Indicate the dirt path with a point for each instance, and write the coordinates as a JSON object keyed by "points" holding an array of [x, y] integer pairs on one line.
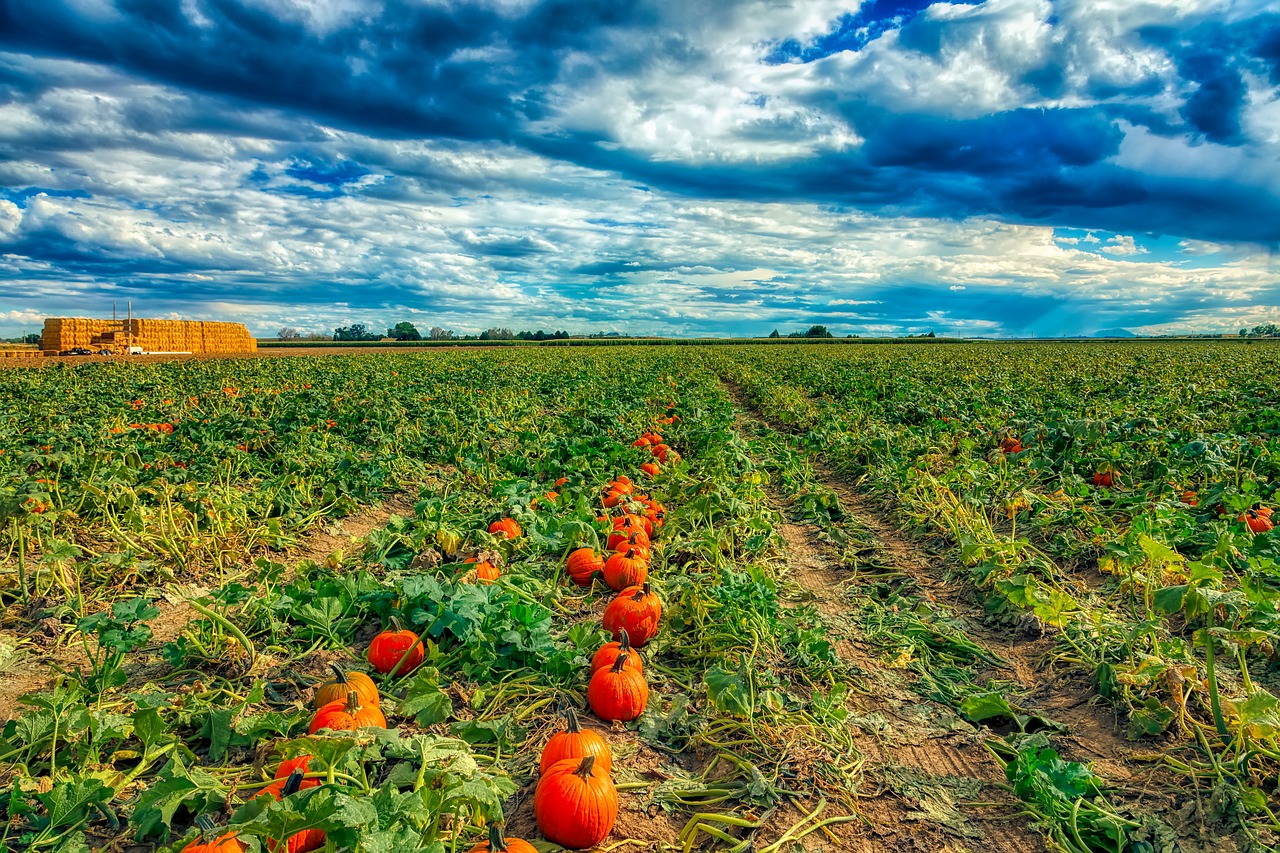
{"points": [[923, 763], [1094, 733]]}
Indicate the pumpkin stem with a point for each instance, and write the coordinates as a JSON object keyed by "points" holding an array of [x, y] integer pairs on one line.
{"points": [[353, 702], [292, 784], [645, 588], [624, 641], [619, 662], [339, 676], [497, 843], [571, 721], [584, 769], [206, 826]]}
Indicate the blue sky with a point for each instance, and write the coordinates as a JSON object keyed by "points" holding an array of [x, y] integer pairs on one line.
{"points": [[991, 167]]}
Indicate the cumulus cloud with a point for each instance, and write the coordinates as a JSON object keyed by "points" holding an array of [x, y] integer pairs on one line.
{"points": [[750, 164]]}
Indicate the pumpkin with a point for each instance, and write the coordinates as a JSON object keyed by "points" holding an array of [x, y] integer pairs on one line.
{"points": [[1104, 478], [285, 772], [396, 652], [560, 482], [583, 565], [641, 442], [226, 843], [612, 498], [618, 692], [1009, 444], [575, 803], [1189, 497], [653, 469], [347, 716], [1257, 521], [635, 611], [624, 570], [342, 684], [621, 485], [609, 652], [625, 539], [498, 844], [661, 452], [649, 599], [486, 571], [300, 842], [577, 743], [505, 528]]}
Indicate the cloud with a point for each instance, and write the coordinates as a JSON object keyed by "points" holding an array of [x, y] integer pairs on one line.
{"points": [[671, 167]]}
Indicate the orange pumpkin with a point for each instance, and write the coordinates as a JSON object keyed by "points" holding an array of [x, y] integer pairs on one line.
{"points": [[347, 716], [486, 571], [626, 538], [576, 743], [624, 570], [636, 610], [228, 842], [505, 528], [618, 692], [609, 652], [497, 843], [285, 772], [342, 684], [575, 803], [1104, 478], [583, 565], [1257, 520], [653, 469], [300, 842], [396, 652]]}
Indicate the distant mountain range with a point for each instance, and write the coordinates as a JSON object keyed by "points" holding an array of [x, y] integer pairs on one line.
{"points": [[1114, 333]]}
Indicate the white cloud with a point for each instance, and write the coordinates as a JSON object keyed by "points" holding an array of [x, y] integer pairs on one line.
{"points": [[1122, 244]]}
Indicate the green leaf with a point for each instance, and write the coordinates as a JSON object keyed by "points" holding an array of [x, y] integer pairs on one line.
{"points": [[730, 692], [176, 786], [1169, 599], [69, 802]]}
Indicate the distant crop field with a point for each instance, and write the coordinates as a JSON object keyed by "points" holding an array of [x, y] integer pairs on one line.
{"points": [[1021, 596]]}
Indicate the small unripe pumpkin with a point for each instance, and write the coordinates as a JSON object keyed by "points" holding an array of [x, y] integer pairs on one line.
{"points": [[576, 743], [342, 684], [618, 693], [575, 803]]}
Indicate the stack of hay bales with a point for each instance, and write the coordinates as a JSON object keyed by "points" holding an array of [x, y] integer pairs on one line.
{"points": [[191, 336]]}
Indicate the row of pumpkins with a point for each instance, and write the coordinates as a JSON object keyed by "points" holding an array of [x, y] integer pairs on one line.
{"points": [[575, 802]]}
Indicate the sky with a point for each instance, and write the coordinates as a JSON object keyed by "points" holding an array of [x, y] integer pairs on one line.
{"points": [[1003, 168]]}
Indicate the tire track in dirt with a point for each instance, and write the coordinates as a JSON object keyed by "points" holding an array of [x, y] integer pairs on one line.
{"points": [[917, 776], [1094, 733]]}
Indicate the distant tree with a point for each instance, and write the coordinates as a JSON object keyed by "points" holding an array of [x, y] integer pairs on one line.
{"points": [[288, 333], [404, 331], [774, 334], [317, 336], [354, 332], [440, 334], [818, 332], [1244, 333], [1265, 330], [32, 338], [497, 334], [930, 335]]}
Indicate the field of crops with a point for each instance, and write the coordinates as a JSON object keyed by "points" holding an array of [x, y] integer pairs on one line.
{"points": [[911, 597]]}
